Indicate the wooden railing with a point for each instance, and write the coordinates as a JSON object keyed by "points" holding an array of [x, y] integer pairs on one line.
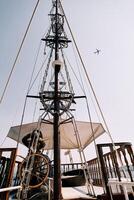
{"points": [[7, 163], [95, 172], [117, 164], [70, 167]]}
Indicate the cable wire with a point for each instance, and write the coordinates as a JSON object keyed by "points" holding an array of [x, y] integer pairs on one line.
{"points": [[91, 86], [17, 56], [87, 76]]}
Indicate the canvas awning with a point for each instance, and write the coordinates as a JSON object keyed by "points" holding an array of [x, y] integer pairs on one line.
{"points": [[67, 133]]}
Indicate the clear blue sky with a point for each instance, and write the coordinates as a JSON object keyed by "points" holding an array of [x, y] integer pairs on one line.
{"points": [[107, 25]]}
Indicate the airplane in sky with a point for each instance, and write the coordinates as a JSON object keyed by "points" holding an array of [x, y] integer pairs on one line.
{"points": [[97, 51]]}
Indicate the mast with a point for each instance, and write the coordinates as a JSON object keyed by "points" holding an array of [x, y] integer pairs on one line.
{"points": [[57, 100], [56, 133]]}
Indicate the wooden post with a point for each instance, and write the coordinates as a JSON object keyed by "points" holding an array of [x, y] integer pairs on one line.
{"points": [[103, 169]]}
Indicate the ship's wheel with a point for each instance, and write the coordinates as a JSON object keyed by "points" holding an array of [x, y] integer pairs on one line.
{"points": [[35, 169]]}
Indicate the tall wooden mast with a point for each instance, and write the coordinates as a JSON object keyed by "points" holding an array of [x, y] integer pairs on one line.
{"points": [[56, 135], [57, 100]]}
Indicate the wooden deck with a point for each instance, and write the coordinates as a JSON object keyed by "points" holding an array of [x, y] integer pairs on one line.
{"points": [[78, 193]]}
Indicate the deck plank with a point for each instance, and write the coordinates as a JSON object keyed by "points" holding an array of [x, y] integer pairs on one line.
{"points": [[75, 193]]}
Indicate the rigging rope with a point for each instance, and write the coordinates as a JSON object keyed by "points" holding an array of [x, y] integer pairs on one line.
{"points": [[89, 115], [17, 56], [29, 88], [74, 73], [38, 73], [83, 160], [46, 71], [91, 86], [67, 73], [82, 85], [87, 76], [36, 102]]}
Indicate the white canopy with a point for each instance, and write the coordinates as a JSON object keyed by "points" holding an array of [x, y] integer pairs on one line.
{"points": [[67, 133]]}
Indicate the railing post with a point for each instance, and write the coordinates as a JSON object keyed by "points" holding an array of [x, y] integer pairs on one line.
{"points": [[104, 173]]}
